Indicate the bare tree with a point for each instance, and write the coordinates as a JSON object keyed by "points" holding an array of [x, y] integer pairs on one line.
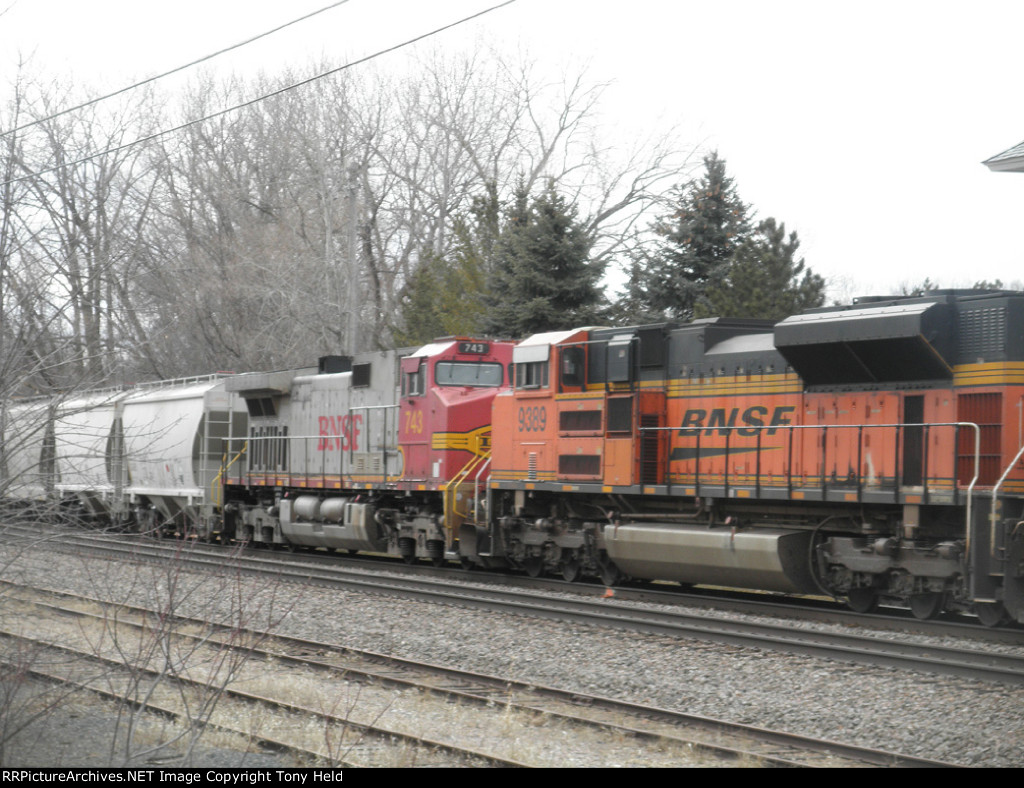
{"points": [[81, 204]]}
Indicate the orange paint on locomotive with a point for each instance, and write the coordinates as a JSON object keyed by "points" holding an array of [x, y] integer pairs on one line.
{"points": [[740, 439], [549, 426]]}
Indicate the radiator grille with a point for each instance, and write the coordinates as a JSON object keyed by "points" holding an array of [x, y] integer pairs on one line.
{"points": [[579, 465], [982, 333]]}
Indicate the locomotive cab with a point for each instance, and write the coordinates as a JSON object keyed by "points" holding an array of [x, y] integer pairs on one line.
{"points": [[447, 390]]}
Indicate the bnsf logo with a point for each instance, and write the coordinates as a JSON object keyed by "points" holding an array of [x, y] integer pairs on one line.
{"points": [[339, 432], [696, 419]]}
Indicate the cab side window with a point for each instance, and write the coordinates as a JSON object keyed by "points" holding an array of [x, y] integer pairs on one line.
{"points": [[414, 383], [532, 375], [572, 369]]}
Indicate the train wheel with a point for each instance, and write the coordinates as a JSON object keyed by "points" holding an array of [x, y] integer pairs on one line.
{"points": [[435, 550], [862, 600], [926, 606], [533, 566], [991, 614], [571, 571], [610, 574]]}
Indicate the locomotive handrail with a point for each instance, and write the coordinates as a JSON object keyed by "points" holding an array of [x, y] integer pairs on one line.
{"points": [[696, 431], [476, 490], [216, 486], [385, 447], [992, 516], [477, 462]]}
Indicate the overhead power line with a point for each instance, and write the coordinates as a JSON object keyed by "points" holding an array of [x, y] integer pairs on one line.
{"points": [[264, 97], [156, 77]]}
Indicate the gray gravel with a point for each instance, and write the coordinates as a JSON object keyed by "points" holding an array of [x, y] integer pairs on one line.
{"points": [[967, 722]]}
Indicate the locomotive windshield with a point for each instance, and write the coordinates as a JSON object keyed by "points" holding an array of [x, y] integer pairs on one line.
{"points": [[468, 373]]}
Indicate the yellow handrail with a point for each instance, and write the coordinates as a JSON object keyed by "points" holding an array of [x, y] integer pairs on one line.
{"points": [[215, 485], [451, 513]]}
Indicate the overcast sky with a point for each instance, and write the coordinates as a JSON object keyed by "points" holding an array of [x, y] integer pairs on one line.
{"points": [[862, 126]]}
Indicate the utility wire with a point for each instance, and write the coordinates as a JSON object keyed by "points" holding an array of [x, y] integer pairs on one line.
{"points": [[258, 99], [172, 71]]}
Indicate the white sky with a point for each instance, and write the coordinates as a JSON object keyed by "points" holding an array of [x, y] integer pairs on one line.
{"points": [[862, 126]]}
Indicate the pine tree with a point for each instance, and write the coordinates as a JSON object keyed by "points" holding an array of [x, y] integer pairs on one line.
{"points": [[541, 275], [696, 243], [764, 279], [709, 260]]}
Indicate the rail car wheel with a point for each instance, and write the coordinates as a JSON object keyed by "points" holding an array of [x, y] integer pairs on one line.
{"points": [[407, 549], [533, 566], [926, 606], [862, 600], [571, 571], [991, 614], [610, 574], [435, 550]]}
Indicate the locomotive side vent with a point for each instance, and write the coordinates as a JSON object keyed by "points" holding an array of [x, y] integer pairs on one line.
{"points": [[579, 421], [361, 376], [579, 464], [982, 333], [620, 414], [649, 465], [985, 410]]}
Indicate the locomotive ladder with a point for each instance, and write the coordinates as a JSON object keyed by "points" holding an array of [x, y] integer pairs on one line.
{"points": [[454, 514]]}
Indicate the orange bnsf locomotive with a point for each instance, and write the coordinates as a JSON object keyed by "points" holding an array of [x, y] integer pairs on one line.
{"points": [[871, 452]]}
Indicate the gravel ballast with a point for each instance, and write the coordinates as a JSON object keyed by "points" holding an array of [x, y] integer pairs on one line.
{"points": [[956, 720]]}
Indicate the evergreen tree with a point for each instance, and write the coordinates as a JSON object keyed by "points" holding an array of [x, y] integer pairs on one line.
{"points": [[696, 243], [764, 279], [541, 277], [710, 261]]}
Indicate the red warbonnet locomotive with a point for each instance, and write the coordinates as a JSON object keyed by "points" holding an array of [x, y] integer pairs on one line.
{"points": [[871, 452]]}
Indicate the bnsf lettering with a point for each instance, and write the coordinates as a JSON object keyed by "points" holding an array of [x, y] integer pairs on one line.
{"points": [[339, 432], [725, 421]]}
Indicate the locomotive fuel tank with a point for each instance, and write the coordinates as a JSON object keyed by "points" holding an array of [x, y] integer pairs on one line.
{"points": [[336, 523], [766, 559]]}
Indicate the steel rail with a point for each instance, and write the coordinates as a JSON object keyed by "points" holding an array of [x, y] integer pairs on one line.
{"points": [[784, 749]]}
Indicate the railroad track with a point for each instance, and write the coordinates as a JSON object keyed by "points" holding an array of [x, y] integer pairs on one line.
{"points": [[960, 661], [804, 609], [666, 738], [346, 734]]}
